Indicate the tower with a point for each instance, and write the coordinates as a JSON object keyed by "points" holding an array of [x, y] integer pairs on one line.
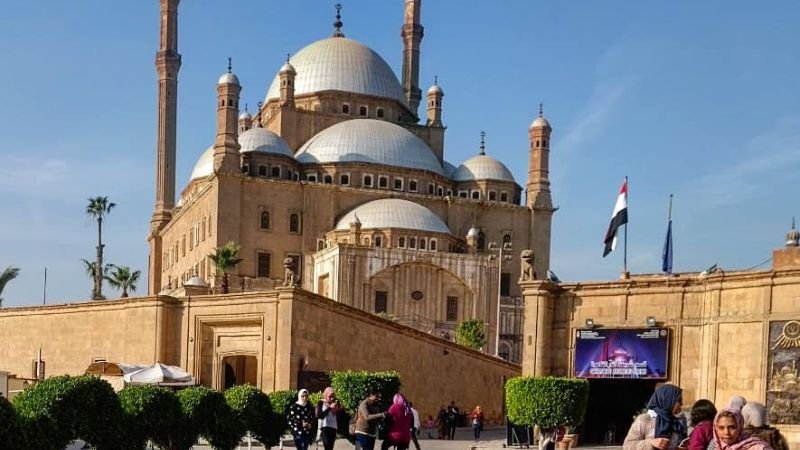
{"points": [[538, 189], [168, 62], [411, 33], [435, 94], [287, 74], [245, 121], [226, 146]]}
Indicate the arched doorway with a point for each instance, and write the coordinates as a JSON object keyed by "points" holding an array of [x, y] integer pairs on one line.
{"points": [[239, 369]]}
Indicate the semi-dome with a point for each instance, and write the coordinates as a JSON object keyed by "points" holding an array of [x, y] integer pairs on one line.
{"points": [[369, 141], [394, 213], [340, 64], [482, 167], [204, 165], [264, 141]]}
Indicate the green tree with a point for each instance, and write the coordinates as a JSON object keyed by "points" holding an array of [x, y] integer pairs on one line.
{"points": [[470, 333], [97, 209], [351, 387], [253, 408], [9, 274], [122, 277], [225, 258]]}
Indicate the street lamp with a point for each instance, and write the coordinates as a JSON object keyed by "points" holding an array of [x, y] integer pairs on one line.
{"points": [[504, 254]]}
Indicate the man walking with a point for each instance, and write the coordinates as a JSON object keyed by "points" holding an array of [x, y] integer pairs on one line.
{"points": [[452, 420], [416, 425]]}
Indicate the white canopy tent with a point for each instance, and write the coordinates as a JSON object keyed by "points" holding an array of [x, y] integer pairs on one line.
{"points": [[161, 375]]}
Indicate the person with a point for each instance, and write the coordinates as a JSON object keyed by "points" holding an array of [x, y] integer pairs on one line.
{"points": [[299, 418], [660, 427], [429, 424], [328, 411], [415, 427], [729, 432], [702, 416], [399, 433], [441, 421], [477, 422], [755, 424], [737, 402], [452, 420], [367, 417]]}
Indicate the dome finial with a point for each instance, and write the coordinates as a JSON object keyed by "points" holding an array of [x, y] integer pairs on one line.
{"points": [[337, 25], [541, 108], [436, 80], [245, 108], [793, 236], [230, 64], [483, 142], [288, 56]]}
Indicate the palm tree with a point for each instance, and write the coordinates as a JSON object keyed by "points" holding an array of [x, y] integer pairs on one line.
{"points": [[122, 277], [224, 259], [9, 274], [97, 209], [90, 271]]}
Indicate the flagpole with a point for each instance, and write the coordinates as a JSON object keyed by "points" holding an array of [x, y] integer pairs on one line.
{"points": [[669, 221], [625, 250]]}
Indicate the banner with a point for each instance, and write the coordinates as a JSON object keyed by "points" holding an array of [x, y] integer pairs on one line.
{"points": [[622, 353]]}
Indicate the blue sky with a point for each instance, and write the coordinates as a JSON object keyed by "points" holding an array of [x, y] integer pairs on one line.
{"points": [[699, 99]]}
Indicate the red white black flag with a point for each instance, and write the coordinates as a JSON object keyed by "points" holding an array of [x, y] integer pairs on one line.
{"points": [[618, 219]]}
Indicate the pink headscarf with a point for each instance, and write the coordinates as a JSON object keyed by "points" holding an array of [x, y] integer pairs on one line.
{"points": [[326, 397], [398, 399], [744, 440]]}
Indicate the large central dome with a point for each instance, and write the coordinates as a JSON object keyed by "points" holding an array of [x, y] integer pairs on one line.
{"points": [[340, 64], [369, 141]]}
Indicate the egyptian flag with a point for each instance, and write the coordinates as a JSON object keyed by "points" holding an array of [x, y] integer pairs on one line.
{"points": [[618, 219]]}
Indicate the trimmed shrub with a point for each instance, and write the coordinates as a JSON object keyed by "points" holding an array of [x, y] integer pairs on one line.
{"points": [[209, 416], [351, 387], [61, 409], [10, 432], [254, 410], [470, 333], [548, 402], [281, 400], [153, 413]]}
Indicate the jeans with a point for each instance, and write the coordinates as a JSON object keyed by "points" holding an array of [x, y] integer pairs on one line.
{"points": [[476, 429], [328, 437], [365, 441], [301, 442]]}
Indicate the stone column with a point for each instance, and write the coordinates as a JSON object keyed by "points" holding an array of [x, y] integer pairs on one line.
{"points": [[539, 299]]}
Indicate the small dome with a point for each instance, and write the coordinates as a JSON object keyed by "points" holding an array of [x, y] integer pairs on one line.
{"points": [[473, 232], [264, 141], [483, 167], [540, 122], [449, 169], [435, 89], [204, 165], [341, 64], [369, 141], [195, 282], [245, 116], [394, 213], [287, 68], [793, 237], [228, 78]]}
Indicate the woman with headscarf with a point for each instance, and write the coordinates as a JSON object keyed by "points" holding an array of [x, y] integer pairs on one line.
{"points": [[703, 413], [737, 402], [755, 424], [399, 434], [327, 412], [299, 418], [660, 427], [729, 433]]}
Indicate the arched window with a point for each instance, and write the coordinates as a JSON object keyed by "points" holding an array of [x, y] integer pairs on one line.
{"points": [[294, 223], [362, 111], [380, 113], [433, 245], [492, 196], [345, 109], [262, 171], [264, 221], [327, 179], [367, 181], [504, 196], [401, 242], [506, 238], [476, 195], [481, 243]]}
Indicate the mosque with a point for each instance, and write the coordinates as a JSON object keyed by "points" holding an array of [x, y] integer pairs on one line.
{"points": [[338, 181]]}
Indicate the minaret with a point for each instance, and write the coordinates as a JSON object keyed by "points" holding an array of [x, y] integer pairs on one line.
{"points": [[226, 146], [287, 74], [435, 94], [411, 33], [168, 62], [538, 192], [245, 120]]}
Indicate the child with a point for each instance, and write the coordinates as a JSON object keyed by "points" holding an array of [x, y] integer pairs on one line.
{"points": [[429, 427]]}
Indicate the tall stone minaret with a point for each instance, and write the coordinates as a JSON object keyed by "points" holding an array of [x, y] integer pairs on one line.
{"points": [[412, 36], [168, 62], [538, 192], [226, 146]]}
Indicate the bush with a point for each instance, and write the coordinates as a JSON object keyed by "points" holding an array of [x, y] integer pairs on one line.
{"points": [[254, 410], [153, 413], [470, 333], [209, 416], [60, 409], [10, 432], [281, 401], [548, 402], [351, 387]]}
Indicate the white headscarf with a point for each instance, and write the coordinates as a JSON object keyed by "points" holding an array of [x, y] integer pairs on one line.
{"points": [[300, 400]]}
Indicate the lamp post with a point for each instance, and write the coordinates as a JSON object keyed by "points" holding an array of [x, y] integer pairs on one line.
{"points": [[504, 253]]}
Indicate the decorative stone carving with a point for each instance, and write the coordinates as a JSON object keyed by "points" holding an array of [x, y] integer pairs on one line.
{"points": [[289, 274], [526, 261]]}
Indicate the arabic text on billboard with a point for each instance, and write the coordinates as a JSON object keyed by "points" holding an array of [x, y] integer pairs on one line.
{"points": [[622, 353]]}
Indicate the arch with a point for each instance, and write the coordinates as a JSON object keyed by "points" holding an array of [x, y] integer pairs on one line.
{"points": [[264, 220]]}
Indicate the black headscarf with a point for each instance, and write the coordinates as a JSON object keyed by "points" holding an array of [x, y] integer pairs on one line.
{"points": [[661, 403]]}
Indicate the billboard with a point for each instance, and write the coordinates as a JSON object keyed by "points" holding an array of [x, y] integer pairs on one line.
{"points": [[622, 353]]}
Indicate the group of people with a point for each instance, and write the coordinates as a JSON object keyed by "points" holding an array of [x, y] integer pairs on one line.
{"points": [[741, 425]]}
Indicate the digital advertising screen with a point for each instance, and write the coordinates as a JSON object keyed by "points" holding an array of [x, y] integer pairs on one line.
{"points": [[622, 353]]}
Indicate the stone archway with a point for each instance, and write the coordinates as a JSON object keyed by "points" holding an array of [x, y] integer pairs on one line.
{"points": [[239, 370]]}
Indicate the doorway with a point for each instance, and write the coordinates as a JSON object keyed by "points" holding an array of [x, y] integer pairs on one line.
{"points": [[613, 404], [239, 369]]}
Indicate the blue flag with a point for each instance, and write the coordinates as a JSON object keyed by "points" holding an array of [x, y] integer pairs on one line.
{"points": [[666, 254]]}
